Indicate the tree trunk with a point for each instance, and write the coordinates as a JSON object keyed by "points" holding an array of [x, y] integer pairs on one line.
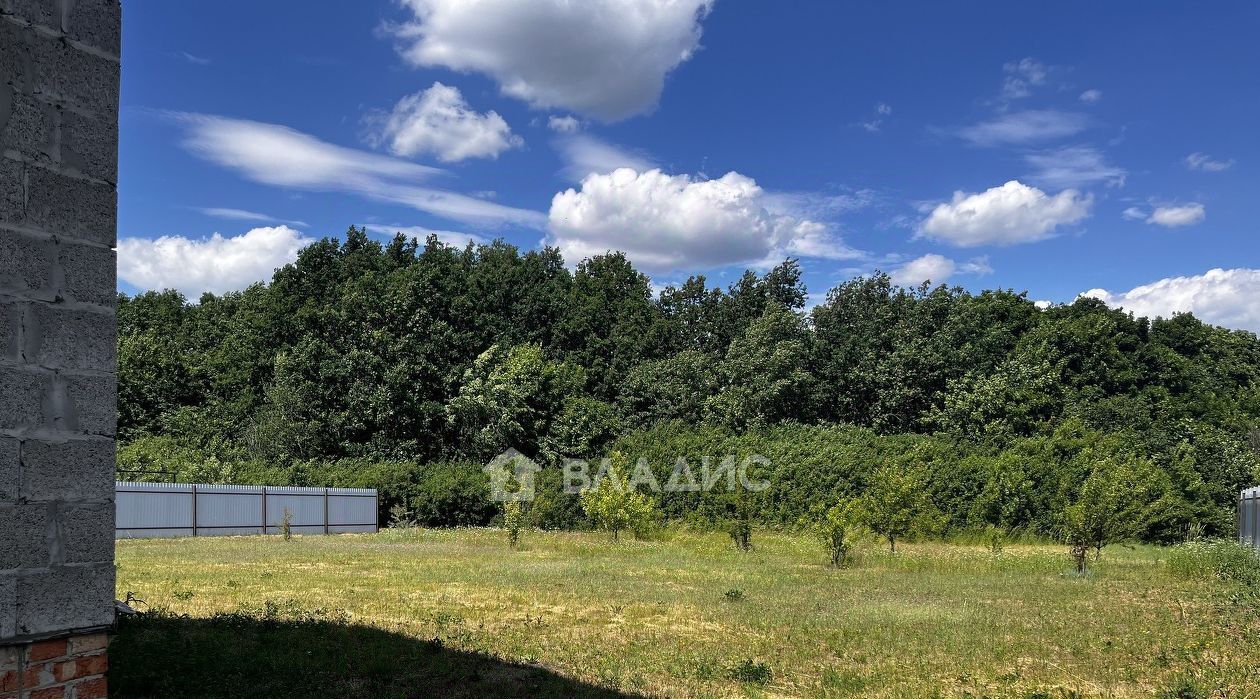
{"points": [[892, 545]]}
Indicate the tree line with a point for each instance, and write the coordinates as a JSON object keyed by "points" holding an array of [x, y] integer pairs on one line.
{"points": [[406, 365]]}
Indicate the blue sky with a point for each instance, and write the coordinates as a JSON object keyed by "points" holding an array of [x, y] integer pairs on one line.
{"points": [[1093, 147]]}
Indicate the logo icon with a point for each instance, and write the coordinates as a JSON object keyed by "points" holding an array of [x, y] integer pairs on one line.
{"points": [[511, 477]]}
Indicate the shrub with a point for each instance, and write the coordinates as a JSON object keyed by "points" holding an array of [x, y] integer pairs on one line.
{"points": [[840, 530], [513, 522], [286, 524], [897, 504], [452, 495], [615, 506], [1216, 558]]}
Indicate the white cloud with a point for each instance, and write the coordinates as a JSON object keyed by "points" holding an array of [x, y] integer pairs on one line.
{"points": [[280, 156], [937, 269], [1073, 166], [1204, 162], [1022, 76], [1006, 215], [1134, 213], [1091, 96], [243, 215], [214, 264], [1030, 126], [1176, 216], [440, 122], [603, 58], [1220, 296], [882, 110], [564, 124], [586, 155], [195, 60], [670, 223], [421, 233]]}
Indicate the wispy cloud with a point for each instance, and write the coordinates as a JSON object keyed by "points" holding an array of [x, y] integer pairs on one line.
{"points": [[1177, 216], [281, 156], [1091, 96], [243, 215], [421, 233], [1205, 163], [1026, 127], [196, 60], [1073, 166], [586, 155]]}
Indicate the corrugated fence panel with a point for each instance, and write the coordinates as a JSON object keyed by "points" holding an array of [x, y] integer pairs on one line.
{"points": [[349, 510], [153, 509], [178, 509], [1249, 517]]}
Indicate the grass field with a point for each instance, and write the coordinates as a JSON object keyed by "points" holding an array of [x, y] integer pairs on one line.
{"points": [[455, 613]]}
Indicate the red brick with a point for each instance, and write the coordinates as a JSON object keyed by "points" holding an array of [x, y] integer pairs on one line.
{"points": [[90, 665], [89, 643], [94, 688], [38, 675], [58, 692], [46, 650], [8, 680]]}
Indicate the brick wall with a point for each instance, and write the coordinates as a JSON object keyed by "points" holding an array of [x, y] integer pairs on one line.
{"points": [[59, 67], [59, 668]]}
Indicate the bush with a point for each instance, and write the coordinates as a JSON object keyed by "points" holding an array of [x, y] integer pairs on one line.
{"points": [[615, 506], [1216, 558], [513, 522], [840, 530]]}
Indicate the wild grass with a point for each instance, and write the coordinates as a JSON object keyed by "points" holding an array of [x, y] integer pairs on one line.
{"points": [[659, 617]]}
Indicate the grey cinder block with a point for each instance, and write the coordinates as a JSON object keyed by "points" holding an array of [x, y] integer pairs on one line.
{"points": [[94, 398], [12, 193], [11, 319], [90, 145], [89, 273], [8, 607], [23, 392], [27, 126], [70, 206], [74, 469], [25, 544], [10, 451], [74, 338], [97, 23], [25, 262], [65, 597], [86, 532]]}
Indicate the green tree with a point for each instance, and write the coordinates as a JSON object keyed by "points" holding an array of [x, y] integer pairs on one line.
{"points": [[1113, 505], [897, 503], [765, 376], [509, 398], [614, 505], [840, 530]]}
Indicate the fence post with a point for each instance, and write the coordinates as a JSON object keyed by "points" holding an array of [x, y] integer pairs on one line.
{"points": [[264, 510], [194, 509], [325, 510]]}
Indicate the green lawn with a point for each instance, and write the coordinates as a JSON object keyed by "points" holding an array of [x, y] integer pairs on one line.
{"points": [[455, 613]]}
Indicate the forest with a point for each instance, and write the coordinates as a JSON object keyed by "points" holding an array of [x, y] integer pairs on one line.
{"points": [[405, 366]]}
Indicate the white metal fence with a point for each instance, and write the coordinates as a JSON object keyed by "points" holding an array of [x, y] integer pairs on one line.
{"points": [[1249, 517], [183, 509]]}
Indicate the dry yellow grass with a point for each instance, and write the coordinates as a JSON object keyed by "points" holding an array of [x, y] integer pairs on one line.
{"points": [[654, 617]]}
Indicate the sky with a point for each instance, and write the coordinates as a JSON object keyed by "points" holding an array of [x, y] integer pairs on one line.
{"points": [[1106, 149]]}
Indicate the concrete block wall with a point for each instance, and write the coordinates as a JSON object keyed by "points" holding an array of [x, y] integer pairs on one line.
{"points": [[59, 79]]}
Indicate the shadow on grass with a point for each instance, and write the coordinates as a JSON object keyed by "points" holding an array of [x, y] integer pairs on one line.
{"points": [[261, 655]]}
